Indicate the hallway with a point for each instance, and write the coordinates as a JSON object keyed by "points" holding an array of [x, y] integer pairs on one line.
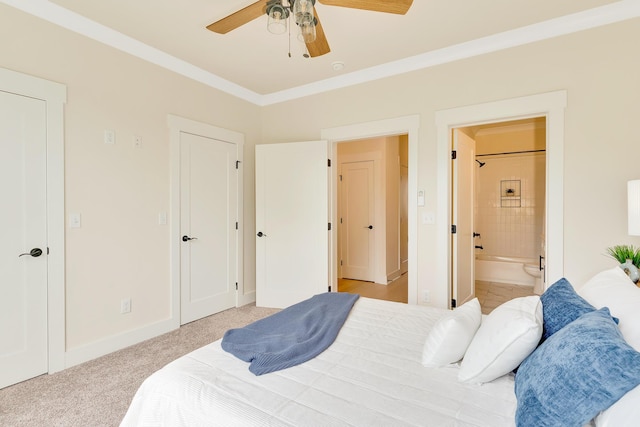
{"points": [[394, 291]]}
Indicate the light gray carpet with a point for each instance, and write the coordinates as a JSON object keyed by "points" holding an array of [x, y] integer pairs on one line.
{"points": [[98, 393]]}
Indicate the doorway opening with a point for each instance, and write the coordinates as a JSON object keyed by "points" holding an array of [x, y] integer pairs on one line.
{"points": [[372, 223], [549, 105], [507, 178], [406, 125]]}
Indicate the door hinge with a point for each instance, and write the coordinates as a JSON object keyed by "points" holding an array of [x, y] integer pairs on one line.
{"points": [[329, 226], [340, 220], [340, 178], [238, 163], [48, 254], [454, 229], [454, 154], [329, 288], [236, 225], [341, 263], [236, 286], [453, 303], [328, 162]]}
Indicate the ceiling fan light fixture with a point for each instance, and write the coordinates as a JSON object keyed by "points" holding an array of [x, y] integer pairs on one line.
{"points": [[301, 9], [277, 21], [307, 29]]}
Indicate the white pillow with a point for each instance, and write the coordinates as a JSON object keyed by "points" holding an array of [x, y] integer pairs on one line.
{"points": [[612, 288], [506, 337], [625, 412], [451, 335]]}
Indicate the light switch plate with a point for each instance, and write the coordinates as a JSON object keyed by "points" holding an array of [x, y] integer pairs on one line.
{"points": [[75, 220], [428, 218], [109, 136], [162, 218]]}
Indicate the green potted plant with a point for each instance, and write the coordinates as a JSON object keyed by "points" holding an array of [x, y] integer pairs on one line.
{"points": [[629, 258]]}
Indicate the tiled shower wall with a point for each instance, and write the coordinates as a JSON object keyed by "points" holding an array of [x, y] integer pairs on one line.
{"points": [[511, 225]]}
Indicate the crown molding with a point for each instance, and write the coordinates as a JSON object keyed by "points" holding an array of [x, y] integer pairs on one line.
{"points": [[615, 12], [79, 24]]}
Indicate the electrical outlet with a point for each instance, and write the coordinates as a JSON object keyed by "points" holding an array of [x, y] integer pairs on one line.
{"points": [[426, 296], [137, 141], [125, 306]]}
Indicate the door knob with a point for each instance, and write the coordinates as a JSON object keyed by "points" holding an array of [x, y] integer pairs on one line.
{"points": [[260, 234], [35, 252], [370, 227], [186, 238]]}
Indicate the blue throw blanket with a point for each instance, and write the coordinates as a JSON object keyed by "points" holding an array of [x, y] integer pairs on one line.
{"points": [[291, 336]]}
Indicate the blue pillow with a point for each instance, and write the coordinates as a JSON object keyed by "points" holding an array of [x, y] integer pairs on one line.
{"points": [[561, 305], [581, 370]]}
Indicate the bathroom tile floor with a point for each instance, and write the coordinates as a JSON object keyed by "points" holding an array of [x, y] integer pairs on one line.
{"points": [[491, 294]]}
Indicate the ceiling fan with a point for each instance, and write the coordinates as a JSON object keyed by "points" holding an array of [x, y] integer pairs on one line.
{"points": [[316, 43]]}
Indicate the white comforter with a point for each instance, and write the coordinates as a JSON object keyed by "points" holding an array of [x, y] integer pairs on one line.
{"points": [[370, 376]]}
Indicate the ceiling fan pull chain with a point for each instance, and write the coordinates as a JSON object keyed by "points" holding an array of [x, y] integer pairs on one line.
{"points": [[289, 28]]}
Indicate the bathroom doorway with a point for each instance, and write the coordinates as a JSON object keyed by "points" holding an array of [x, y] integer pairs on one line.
{"points": [[507, 210]]}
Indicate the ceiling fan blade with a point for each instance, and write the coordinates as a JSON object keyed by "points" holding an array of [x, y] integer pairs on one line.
{"points": [[239, 18], [319, 46], [388, 6]]}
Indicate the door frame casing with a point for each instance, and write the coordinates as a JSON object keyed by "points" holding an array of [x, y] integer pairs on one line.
{"points": [[55, 96], [178, 125], [386, 127], [550, 105]]}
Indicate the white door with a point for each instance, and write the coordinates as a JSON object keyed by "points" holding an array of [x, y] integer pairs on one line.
{"points": [[292, 211], [463, 259], [23, 279], [357, 228], [208, 215]]}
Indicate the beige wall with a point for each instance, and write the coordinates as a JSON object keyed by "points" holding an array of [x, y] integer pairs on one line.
{"points": [[122, 251], [510, 139], [599, 72]]}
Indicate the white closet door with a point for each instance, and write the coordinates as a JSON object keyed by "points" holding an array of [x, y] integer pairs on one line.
{"points": [[23, 227], [208, 194]]}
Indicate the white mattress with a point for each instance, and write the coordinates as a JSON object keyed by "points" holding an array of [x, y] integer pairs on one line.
{"points": [[370, 376]]}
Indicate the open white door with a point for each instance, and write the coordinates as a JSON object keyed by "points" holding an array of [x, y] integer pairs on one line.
{"points": [[292, 211], [463, 252]]}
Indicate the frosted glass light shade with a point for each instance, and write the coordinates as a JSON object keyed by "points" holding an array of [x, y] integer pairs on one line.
{"points": [[307, 29], [277, 21], [302, 8], [633, 204]]}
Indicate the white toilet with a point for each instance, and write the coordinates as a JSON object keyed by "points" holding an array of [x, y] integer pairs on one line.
{"points": [[534, 271]]}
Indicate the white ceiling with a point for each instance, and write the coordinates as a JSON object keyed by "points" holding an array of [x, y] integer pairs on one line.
{"points": [[253, 64]]}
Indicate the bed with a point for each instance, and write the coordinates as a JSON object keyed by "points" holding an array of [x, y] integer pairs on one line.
{"points": [[373, 374]]}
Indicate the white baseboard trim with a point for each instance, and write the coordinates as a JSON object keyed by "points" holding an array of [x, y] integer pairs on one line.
{"points": [[404, 267], [393, 276], [248, 298], [108, 345]]}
